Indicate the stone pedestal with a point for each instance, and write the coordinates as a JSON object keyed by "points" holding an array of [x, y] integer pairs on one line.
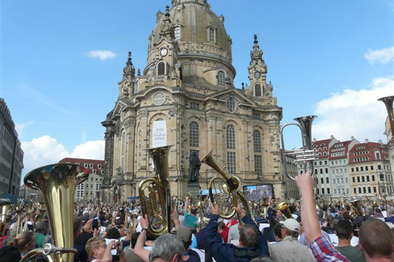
{"points": [[193, 188]]}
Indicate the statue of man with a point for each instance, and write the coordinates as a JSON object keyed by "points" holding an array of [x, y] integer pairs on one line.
{"points": [[194, 167]]}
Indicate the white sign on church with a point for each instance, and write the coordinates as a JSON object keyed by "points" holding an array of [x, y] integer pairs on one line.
{"points": [[159, 133]]}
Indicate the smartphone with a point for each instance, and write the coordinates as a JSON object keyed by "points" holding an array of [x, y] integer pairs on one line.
{"points": [[95, 224]]}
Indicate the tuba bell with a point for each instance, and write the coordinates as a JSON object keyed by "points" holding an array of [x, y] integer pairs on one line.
{"points": [[388, 102], [284, 208], [224, 189], [57, 183], [306, 155], [155, 194]]}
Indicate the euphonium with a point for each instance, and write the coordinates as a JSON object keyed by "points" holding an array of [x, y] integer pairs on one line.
{"points": [[224, 189], [57, 183], [155, 195], [284, 208], [305, 155]]}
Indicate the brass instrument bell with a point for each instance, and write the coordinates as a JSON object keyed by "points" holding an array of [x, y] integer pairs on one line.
{"points": [[57, 183], [284, 208], [304, 156]]}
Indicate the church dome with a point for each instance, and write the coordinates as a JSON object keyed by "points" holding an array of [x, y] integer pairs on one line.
{"points": [[198, 31]]}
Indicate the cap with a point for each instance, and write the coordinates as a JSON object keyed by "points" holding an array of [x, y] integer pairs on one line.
{"points": [[184, 234], [291, 224]]}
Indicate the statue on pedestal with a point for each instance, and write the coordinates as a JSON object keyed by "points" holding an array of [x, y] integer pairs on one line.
{"points": [[194, 167]]}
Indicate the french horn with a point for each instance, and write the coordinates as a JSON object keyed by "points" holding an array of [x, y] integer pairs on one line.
{"points": [[224, 189], [57, 183], [155, 194]]}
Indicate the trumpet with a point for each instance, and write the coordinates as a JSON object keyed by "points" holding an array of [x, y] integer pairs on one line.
{"points": [[57, 183], [155, 194], [224, 189], [306, 155]]}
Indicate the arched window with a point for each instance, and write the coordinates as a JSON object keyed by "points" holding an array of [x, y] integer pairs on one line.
{"points": [[230, 135], [161, 68], [194, 134], [258, 157], [177, 32], [257, 90], [257, 141], [231, 153], [220, 77], [123, 156]]}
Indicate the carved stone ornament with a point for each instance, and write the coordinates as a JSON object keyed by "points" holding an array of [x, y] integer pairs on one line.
{"points": [[159, 98]]}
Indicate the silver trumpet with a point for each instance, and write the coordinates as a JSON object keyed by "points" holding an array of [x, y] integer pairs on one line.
{"points": [[306, 155]]}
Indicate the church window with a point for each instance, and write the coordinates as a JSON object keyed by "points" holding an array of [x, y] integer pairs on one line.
{"points": [[220, 78], [194, 105], [231, 160], [231, 105], [123, 156], [177, 33], [230, 135], [257, 90], [258, 164], [257, 141], [194, 134], [256, 116], [161, 68], [212, 34]]}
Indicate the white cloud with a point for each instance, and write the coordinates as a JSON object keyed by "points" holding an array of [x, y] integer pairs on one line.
{"points": [[382, 56], [354, 113], [101, 54], [46, 150]]}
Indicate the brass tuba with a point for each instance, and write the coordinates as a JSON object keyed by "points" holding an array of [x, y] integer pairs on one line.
{"points": [[224, 189], [284, 208], [388, 102], [57, 183], [155, 194], [306, 155]]}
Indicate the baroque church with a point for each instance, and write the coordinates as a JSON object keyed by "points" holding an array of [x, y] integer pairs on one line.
{"points": [[185, 97]]}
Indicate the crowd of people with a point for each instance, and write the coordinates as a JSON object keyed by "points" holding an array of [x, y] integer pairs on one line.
{"points": [[336, 232]]}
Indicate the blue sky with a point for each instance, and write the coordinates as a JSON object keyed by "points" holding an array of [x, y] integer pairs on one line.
{"points": [[331, 58]]}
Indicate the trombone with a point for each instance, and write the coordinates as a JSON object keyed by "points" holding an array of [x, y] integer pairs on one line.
{"points": [[306, 155]]}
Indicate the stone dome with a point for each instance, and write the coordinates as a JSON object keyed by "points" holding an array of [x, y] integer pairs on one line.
{"points": [[199, 32]]}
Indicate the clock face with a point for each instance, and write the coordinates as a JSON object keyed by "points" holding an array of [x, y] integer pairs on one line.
{"points": [[257, 75], [164, 51]]}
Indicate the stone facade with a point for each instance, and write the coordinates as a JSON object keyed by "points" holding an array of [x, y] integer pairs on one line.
{"points": [[11, 157], [188, 85]]}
